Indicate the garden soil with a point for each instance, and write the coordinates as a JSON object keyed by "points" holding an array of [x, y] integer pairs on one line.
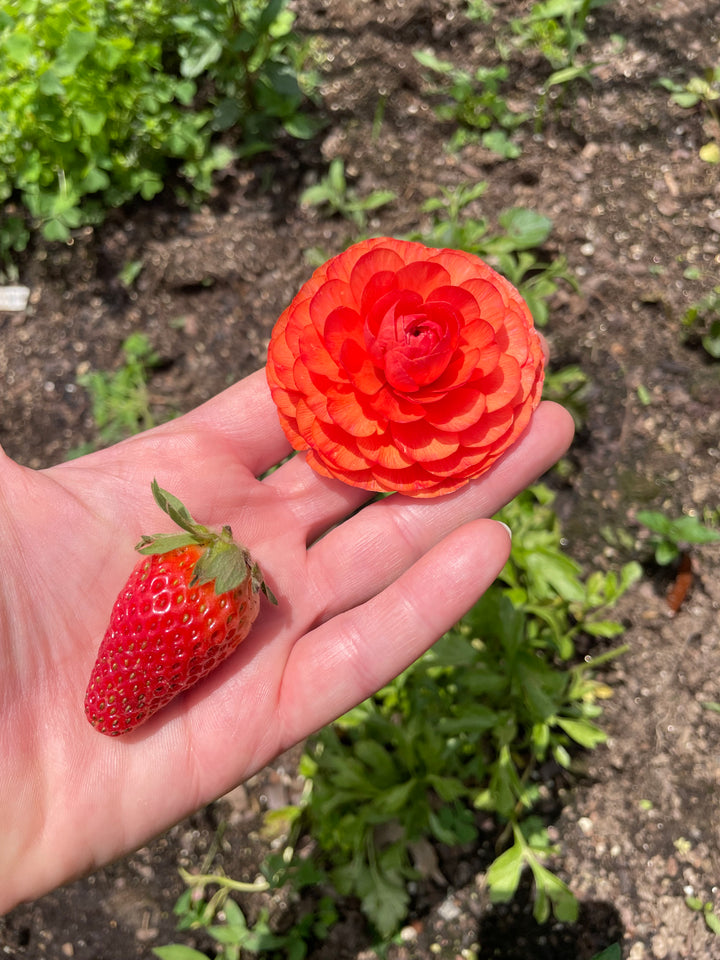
{"points": [[615, 164]]}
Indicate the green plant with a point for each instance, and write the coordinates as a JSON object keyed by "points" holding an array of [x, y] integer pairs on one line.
{"points": [[557, 29], [669, 538], [609, 953], [256, 65], [385, 783], [206, 905], [473, 104], [702, 321], [568, 386], [121, 403], [702, 90], [479, 10], [706, 908], [511, 250], [103, 102], [334, 194]]}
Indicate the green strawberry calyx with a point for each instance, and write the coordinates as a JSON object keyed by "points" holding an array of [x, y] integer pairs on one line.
{"points": [[222, 561]]}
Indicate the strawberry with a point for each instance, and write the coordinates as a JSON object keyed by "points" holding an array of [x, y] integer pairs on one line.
{"points": [[186, 606]]}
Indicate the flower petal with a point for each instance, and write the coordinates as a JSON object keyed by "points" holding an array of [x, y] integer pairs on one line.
{"points": [[423, 442], [376, 261], [384, 451], [347, 411], [501, 386], [457, 410], [422, 277]]}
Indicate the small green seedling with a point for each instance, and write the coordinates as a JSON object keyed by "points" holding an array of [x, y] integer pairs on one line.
{"points": [[569, 386], [712, 920], [334, 194], [121, 402], [473, 104], [557, 29], [207, 905], [669, 538], [704, 91], [702, 320]]}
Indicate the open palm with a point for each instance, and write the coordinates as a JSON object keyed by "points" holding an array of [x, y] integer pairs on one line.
{"points": [[362, 593]]}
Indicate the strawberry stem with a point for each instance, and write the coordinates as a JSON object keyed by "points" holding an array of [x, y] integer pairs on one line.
{"points": [[222, 561]]}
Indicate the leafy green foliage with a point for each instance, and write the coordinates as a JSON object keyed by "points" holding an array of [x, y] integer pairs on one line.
{"points": [[102, 102], [473, 104], [121, 403], [479, 10], [383, 784], [568, 386], [207, 905], [702, 322], [557, 29], [700, 90], [706, 908], [512, 249], [669, 538], [386, 783], [334, 194]]}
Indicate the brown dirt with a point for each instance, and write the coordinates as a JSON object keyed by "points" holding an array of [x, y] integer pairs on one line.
{"points": [[616, 167]]}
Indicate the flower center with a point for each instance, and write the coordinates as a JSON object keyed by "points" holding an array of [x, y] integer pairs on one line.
{"points": [[411, 341]]}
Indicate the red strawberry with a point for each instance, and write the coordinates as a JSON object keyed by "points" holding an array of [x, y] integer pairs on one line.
{"points": [[185, 608]]}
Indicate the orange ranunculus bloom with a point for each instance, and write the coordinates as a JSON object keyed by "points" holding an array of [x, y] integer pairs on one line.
{"points": [[404, 368]]}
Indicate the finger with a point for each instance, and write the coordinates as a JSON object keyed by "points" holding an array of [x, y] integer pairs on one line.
{"points": [[344, 661], [376, 545]]}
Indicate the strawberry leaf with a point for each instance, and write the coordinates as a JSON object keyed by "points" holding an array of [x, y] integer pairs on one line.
{"points": [[223, 563], [178, 512], [164, 543]]}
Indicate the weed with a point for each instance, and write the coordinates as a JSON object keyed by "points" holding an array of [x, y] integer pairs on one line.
{"points": [[702, 322], [568, 386], [557, 29], [334, 194], [121, 403], [704, 91], [473, 103], [222, 919], [479, 10], [130, 272], [706, 908], [383, 784], [669, 538]]}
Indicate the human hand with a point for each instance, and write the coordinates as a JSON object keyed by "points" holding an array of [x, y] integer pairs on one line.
{"points": [[362, 595]]}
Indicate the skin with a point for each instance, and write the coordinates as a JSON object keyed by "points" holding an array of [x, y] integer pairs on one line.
{"points": [[356, 607]]}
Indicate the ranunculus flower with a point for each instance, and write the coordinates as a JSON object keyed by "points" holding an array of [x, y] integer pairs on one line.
{"points": [[404, 368]]}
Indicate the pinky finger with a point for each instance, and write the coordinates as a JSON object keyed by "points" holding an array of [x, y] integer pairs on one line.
{"points": [[350, 657]]}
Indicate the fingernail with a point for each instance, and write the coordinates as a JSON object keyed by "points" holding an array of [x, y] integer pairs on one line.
{"points": [[506, 527]]}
